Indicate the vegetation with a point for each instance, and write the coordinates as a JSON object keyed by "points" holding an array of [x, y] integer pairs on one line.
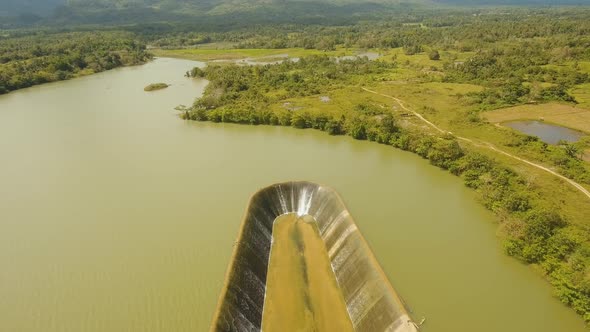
{"points": [[155, 86], [570, 116], [224, 13], [534, 226], [262, 54], [41, 57]]}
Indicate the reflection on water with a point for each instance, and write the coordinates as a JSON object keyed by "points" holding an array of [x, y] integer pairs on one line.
{"points": [[548, 133]]}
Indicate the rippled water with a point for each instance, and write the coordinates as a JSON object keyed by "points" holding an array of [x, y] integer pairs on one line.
{"points": [[115, 215]]}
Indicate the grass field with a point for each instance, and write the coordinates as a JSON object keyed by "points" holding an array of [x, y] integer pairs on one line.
{"points": [[562, 114], [582, 94], [212, 54], [442, 103], [582, 66]]}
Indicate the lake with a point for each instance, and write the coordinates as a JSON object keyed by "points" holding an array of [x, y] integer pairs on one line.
{"points": [[548, 133], [115, 215]]}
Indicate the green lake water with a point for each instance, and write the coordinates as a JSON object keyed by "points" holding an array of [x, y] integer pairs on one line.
{"points": [[115, 215]]}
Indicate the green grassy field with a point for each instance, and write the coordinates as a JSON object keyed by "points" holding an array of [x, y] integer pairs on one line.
{"points": [[212, 54], [582, 94]]}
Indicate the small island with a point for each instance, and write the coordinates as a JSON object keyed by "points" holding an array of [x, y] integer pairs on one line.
{"points": [[156, 86]]}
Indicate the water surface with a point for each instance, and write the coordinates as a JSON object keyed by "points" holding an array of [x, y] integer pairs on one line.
{"points": [[115, 215], [548, 133]]}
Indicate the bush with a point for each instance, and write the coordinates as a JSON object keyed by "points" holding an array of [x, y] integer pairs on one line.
{"points": [[334, 127], [434, 55], [444, 153]]}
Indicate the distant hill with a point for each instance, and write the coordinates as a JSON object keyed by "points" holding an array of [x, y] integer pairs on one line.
{"points": [[208, 5], [512, 2], [254, 11], [226, 12], [48, 7], [29, 7], [111, 9]]}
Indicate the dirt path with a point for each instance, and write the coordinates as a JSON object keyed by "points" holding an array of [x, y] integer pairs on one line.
{"points": [[486, 145]]}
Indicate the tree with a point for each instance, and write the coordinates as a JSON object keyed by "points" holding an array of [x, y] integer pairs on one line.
{"points": [[412, 49], [195, 72], [434, 55], [444, 152], [571, 150]]}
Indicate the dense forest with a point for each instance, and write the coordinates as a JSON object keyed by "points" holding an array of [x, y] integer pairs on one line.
{"points": [[460, 30], [40, 58]]}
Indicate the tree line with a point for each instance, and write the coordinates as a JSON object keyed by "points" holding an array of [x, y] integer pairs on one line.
{"points": [[47, 57]]}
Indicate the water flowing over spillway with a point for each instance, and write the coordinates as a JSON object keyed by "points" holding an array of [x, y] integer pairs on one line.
{"points": [[371, 303]]}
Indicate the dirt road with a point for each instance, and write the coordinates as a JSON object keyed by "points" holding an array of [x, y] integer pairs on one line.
{"points": [[484, 144]]}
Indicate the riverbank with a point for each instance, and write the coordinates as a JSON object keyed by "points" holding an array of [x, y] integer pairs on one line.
{"points": [[537, 227], [50, 57]]}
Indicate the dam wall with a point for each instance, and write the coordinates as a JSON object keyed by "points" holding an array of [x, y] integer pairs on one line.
{"points": [[371, 301]]}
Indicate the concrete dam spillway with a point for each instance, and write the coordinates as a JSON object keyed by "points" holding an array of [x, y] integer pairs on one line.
{"points": [[300, 263]]}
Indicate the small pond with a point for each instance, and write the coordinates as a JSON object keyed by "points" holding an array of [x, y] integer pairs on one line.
{"points": [[548, 133]]}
